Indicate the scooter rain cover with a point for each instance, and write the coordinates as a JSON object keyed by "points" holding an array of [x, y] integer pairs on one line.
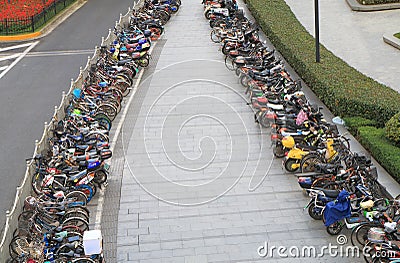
{"points": [[338, 209]]}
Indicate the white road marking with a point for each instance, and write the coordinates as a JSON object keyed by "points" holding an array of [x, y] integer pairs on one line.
{"points": [[21, 56], [10, 57], [16, 47], [99, 211], [60, 53], [3, 68]]}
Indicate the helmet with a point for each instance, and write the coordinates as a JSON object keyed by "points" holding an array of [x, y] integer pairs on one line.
{"points": [[77, 112], [77, 93], [147, 33], [112, 50], [288, 142], [103, 84]]}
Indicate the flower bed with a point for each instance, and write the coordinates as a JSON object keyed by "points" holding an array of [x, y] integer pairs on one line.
{"points": [[18, 9]]}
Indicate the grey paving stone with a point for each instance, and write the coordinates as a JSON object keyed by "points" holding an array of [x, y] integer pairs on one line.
{"points": [[128, 241], [183, 252]]}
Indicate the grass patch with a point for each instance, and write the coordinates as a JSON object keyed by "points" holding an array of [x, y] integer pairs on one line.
{"points": [[397, 35]]}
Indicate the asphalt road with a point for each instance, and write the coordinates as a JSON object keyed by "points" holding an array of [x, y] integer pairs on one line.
{"points": [[33, 86]]}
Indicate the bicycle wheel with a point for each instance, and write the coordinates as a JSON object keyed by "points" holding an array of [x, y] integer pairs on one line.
{"points": [[75, 213], [98, 136], [37, 183], [109, 110], [100, 177], [76, 198], [81, 223], [290, 165], [214, 35], [18, 246], [87, 190], [103, 121], [123, 86], [229, 64], [244, 80], [72, 228], [278, 150], [308, 163], [83, 260], [70, 250], [24, 217]]}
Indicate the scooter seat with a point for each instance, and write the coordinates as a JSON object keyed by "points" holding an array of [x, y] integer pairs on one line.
{"points": [[82, 147], [123, 62], [327, 168], [329, 193], [77, 176]]}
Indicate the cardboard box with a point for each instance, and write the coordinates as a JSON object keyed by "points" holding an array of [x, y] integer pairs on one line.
{"points": [[92, 242]]}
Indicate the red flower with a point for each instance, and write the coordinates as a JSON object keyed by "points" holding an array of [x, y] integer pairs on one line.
{"points": [[19, 9]]}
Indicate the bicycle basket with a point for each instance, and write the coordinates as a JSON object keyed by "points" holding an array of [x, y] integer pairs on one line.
{"points": [[376, 234]]}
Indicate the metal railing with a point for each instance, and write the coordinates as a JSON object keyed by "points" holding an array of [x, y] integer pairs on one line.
{"points": [[25, 189]]}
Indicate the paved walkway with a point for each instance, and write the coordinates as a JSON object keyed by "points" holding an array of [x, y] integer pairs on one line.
{"points": [[356, 37], [193, 184]]}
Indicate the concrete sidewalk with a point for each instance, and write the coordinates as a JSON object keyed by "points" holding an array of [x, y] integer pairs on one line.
{"points": [[356, 37]]}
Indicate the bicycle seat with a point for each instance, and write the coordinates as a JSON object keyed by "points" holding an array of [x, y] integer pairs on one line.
{"points": [[80, 158], [82, 147]]}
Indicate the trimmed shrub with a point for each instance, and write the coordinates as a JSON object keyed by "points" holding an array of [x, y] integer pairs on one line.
{"points": [[342, 88], [353, 123], [392, 129], [382, 149]]}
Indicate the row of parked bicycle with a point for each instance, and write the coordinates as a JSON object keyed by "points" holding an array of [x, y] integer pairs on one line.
{"points": [[342, 184], [55, 218]]}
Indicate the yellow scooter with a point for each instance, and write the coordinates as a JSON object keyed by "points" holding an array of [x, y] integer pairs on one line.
{"points": [[291, 162]]}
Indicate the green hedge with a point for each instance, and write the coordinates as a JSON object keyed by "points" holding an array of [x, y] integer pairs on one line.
{"points": [[386, 153], [342, 88], [352, 123], [392, 129], [377, 2]]}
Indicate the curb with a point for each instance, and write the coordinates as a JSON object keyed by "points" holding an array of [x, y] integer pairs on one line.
{"points": [[47, 29], [355, 6], [391, 40]]}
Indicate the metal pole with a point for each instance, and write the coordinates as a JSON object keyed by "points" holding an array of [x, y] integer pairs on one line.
{"points": [[316, 9]]}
